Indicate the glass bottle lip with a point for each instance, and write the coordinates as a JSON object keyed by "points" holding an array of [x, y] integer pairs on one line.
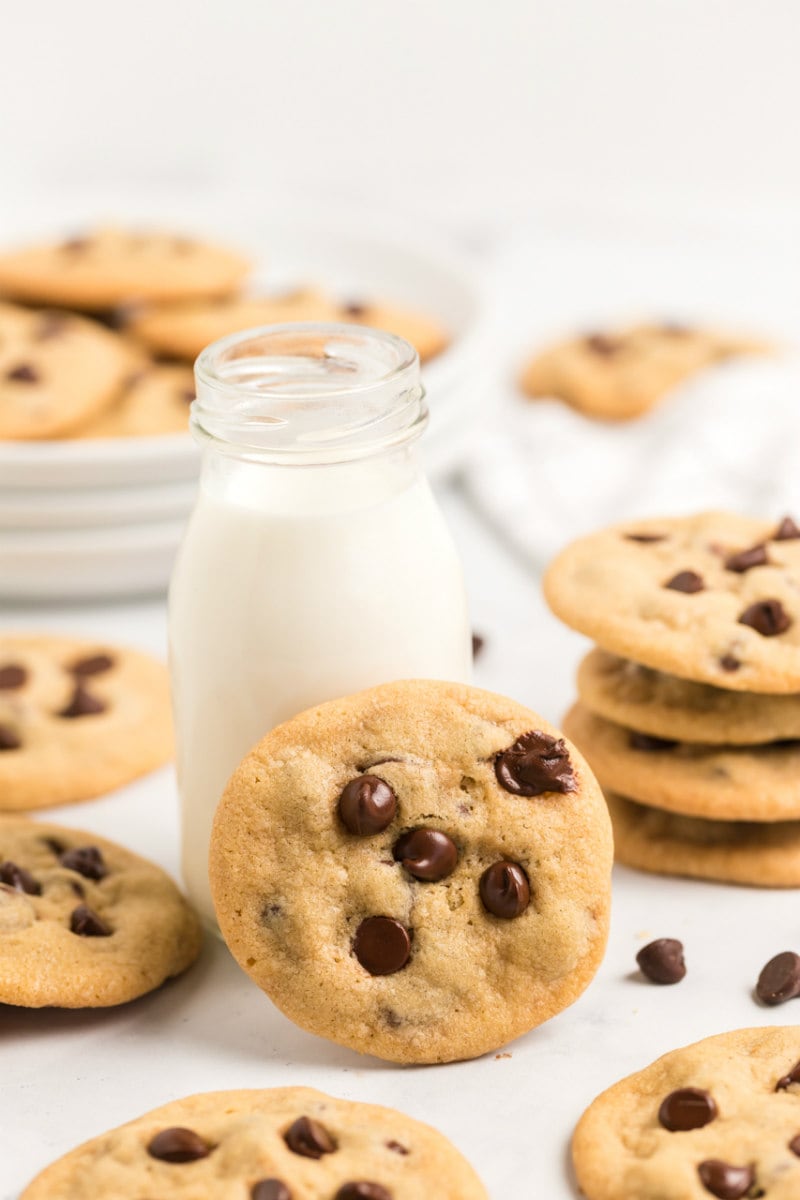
{"points": [[308, 392]]}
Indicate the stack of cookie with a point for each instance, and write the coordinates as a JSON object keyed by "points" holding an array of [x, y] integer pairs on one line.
{"points": [[689, 708]]}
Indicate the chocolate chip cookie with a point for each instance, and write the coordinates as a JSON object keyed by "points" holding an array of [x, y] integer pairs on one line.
{"points": [[427, 335], [85, 923], [720, 1118], [714, 597], [276, 1144], [153, 401], [77, 719], [420, 871]]}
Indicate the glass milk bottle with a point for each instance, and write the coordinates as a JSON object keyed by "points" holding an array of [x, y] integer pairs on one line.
{"points": [[316, 561]]}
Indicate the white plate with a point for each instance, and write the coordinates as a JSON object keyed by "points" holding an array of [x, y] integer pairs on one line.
{"points": [[82, 508]]}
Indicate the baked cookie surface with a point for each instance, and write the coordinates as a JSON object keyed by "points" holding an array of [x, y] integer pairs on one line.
{"points": [[713, 597], [425, 333], [290, 1143], [85, 923], [77, 719], [153, 401], [419, 871], [718, 1118]]}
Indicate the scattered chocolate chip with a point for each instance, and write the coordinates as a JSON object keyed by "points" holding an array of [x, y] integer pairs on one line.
{"points": [[662, 961], [75, 245], [367, 805], [86, 923], [392, 1018], [270, 911], [478, 642], [382, 945], [767, 617], [362, 1191], [686, 581], [787, 531], [794, 1145], [308, 1138], [270, 1189], [53, 845], [86, 860], [94, 664], [9, 740], [724, 1181], [23, 373], [50, 325], [645, 538], [602, 344], [536, 763], [19, 879], [756, 556], [354, 309], [78, 889], [427, 854], [687, 1108], [397, 1147], [82, 704], [178, 1146], [187, 395], [12, 677], [505, 890], [729, 662], [779, 980], [787, 1080], [646, 741]]}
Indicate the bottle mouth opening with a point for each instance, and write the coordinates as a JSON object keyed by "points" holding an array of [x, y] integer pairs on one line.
{"points": [[308, 392]]}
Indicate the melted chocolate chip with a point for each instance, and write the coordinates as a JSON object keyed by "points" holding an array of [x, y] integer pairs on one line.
{"points": [[9, 740], [50, 325], [270, 1189], [756, 556], [767, 617], [779, 980], [76, 245], [362, 1191], [397, 1147], [354, 309], [729, 662], [82, 704], [478, 642], [787, 1080], [662, 961], [23, 373], [602, 345], [688, 582], [12, 677], [794, 1145], [19, 879], [646, 741], [536, 763], [724, 1181], [427, 854], [94, 664], [645, 538], [367, 805], [178, 1146], [687, 1108], [308, 1138], [787, 531], [504, 890], [86, 923], [382, 945], [86, 860], [187, 395]]}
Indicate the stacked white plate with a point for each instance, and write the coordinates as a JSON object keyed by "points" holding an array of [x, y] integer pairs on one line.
{"points": [[104, 517]]}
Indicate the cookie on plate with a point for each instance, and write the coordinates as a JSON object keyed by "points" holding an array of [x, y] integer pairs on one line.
{"points": [[419, 871], [77, 719], [57, 371], [153, 401], [667, 707], [713, 597], [718, 1118], [620, 374], [104, 268], [85, 923], [757, 853], [427, 335], [736, 783], [274, 1144]]}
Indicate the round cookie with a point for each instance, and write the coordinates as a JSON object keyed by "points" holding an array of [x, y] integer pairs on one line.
{"points": [[77, 719], [291, 1143], [692, 596], [736, 783], [743, 1114], [668, 707], [760, 854], [153, 402], [109, 267], [56, 371], [427, 335], [419, 871], [85, 923]]}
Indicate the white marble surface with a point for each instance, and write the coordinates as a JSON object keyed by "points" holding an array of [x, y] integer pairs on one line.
{"points": [[67, 1076]]}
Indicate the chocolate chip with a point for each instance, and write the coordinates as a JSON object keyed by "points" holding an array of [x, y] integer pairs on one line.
{"points": [[687, 1108], [787, 1080], [505, 890], [94, 664], [178, 1146], [478, 642], [382, 945], [675, 329], [724, 1181], [187, 395], [756, 556], [362, 1191], [767, 617], [270, 1189], [645, 538], [686, 581], [50, 325], [729, 662], [646, 741], [86, 923], [536, 763], [354, 309], [787, 531], [794, 1145], [779, 980], [662, 961], [367, 805], [23, 373], [602, 344], [86, 860], [19, 879], [426, 854], [76, 245], [82, 704], [397, 1147], [9, 740], [12, 677], [308, 1138]]}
